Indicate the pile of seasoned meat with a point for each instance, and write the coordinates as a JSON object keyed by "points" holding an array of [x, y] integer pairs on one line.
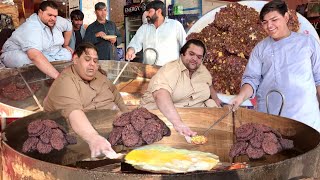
{"points": [[137, 128], [45, 136], [18, 90], [230, 39], [256, 140]]}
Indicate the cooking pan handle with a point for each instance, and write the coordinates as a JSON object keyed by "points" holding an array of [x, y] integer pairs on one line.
{"points": [[282, 100], [151, 49]]}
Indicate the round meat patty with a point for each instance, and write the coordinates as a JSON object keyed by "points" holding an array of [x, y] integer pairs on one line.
{"points": [[140, 142], [71, 139], [256, 141], [57, 142], [115, 135], [254, 153], [244, 131], [143, 112], [270, 137], [165, 129], [50, 123], [238, 148], [286, 143], [130, 137], [44, 148], [138, 122], [122, 120], [30, 144], [58, 133], [152, 132], [35, 127], [46, 135], [269, 146]]}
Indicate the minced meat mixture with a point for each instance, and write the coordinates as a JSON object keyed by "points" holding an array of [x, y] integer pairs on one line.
{"points": [[230, 39]]}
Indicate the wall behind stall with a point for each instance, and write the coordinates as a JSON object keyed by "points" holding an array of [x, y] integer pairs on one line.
{"points": [[116, 14], [207, 5]]}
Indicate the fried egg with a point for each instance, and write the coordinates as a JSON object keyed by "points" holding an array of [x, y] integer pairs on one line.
{"points": [[162, 159]]}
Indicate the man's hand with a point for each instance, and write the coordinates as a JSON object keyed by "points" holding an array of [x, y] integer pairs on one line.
{"points": [[100, 146], [236, 102], [112, 40], [130, 54], [184, 130], [245, 92], [68, 48], [100, 34]]}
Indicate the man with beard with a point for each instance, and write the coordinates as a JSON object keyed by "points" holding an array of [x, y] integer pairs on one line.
{"points": [[78, 29], [185, 82], [39, 41], [164, 35], [81, 87], [97, 31]]}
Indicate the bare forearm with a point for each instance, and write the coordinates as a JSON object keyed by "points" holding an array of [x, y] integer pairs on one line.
{"points": [[81, 125], [246, 91], [213, 93], [164, 102], [42, 63], [67, 36]]}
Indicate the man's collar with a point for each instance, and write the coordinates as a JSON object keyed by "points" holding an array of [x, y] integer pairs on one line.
{"points": [[97, 22], [181, 65], [41, 23]]}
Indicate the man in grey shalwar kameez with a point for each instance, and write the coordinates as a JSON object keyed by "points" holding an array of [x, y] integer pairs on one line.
{"points": [[285, 61], [96, 31]]}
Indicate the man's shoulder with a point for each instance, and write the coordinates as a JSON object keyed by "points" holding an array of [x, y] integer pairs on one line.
{"points": [[66, 75], [110, 22], [31, 22], [172, 21], [91, 25], [171, 66]]}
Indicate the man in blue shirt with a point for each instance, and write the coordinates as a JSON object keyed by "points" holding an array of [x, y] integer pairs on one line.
{"points": [[39, 41]]}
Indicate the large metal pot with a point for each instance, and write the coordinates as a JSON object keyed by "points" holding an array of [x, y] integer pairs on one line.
{"points": [[303, 161], [132, 83]]}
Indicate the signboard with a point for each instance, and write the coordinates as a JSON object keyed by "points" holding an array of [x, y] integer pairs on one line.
{"points": [[134, 9]]}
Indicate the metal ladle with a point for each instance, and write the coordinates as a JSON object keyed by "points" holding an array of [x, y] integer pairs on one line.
{"points": [[204, 134]]}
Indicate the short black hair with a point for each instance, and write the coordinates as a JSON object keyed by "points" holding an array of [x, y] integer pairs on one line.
{"points": [[83, 48], [275, 5], [157, 5], [99, 5], [196, 42], [43, 6], [76, 15]]}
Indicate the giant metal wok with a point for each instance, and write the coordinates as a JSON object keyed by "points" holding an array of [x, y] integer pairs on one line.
{"points": [[132, 83], [301, 162]]}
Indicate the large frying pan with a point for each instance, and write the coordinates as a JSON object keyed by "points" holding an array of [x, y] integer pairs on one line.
{"points": [[303, 161]]}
